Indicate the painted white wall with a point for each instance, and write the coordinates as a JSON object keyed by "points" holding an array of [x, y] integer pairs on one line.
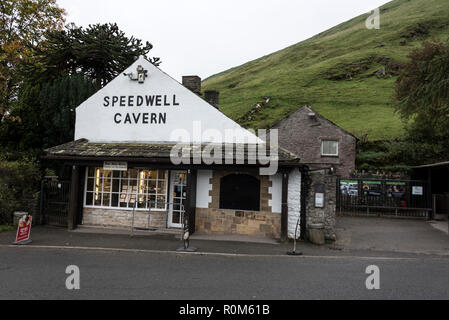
{"points": [[95, 122], [294, 202], [276, 193], [203, 186]]}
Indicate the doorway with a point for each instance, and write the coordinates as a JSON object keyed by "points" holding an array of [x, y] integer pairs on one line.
{"points": [[178, 194]]}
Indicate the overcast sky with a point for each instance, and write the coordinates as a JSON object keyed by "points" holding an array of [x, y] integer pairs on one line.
{"points": [[204, 37]]}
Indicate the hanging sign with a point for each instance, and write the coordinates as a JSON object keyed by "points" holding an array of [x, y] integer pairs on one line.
{"points": [[115, 166], [24, 230]]}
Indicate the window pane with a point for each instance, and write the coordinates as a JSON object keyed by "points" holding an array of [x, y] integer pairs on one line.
{"points": [[330, 148], [91, 172], [142, 204], [114, 200], [106, 200], [89, 198], [133, 173], [115, 185], [152, 201], [107, 185], [133, 183], [97, 199], [90, 184], [116, 174], [162, 174], [176, 217], [162, 187], [152, 186]]}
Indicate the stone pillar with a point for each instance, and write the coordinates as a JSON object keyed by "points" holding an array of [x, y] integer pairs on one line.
{"points": [[325, 216]]}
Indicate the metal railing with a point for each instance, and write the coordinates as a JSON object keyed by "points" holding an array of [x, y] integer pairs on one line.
{"points": [[397, 198], [150, 211]]}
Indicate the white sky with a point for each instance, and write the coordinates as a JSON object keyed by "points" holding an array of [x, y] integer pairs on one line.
{"points": [[204, 37]]}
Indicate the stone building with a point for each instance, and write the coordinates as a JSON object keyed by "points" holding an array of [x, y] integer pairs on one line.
{"points": [[138, 159], [319, 143]]}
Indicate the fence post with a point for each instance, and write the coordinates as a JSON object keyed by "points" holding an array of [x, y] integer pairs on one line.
{"points": [[41, 203]]}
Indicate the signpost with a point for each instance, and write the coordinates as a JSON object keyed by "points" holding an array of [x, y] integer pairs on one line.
{"points": [[23, 235]]}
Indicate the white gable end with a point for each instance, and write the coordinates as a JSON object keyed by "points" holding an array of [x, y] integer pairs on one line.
{"points": [[157, 110]]}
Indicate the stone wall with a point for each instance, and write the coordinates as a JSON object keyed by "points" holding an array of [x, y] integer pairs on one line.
{"points": [[122, 218], [219, 221], [303, 134], [213, 220], [326, 215]]}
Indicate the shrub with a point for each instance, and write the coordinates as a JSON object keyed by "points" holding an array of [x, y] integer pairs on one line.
{"points": [[19, 183]]}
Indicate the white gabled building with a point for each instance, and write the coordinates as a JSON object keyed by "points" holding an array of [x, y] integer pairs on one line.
{"points": [[124, 164]]}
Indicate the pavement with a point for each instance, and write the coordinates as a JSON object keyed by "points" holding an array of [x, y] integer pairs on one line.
{"points": [[399, 236], [441, 225], [356, 236]]}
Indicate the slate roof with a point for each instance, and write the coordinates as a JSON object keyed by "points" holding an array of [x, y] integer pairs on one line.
{"points": [[285, 124], [83, 149]]}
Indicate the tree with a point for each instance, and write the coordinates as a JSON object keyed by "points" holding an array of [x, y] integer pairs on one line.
{"points": [[422, 95], [65, 69], [100, 52], [22, 24], [46, 114], [422, 91]]}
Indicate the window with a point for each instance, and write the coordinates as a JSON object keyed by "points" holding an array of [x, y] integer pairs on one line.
{"points": [[329, 148], [240, 192], [122, 189]]}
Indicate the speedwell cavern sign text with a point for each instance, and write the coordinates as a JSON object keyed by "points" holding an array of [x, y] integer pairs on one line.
{"points": [[144, 116]]}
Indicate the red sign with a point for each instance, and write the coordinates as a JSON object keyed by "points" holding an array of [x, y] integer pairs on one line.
{"points": [[24, 229]]}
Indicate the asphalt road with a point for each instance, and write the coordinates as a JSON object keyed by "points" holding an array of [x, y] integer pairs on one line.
{"points": [[36, 273]]}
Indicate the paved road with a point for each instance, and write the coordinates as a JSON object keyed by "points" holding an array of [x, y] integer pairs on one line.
{"points": [[33, 273]]}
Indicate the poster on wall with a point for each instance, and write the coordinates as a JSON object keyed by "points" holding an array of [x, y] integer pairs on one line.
{"points": [[372, 188], [349, 188], [395, 189], [418, 191]]}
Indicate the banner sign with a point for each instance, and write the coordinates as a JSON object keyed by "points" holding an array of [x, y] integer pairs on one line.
{"points": [[372, 188], [396, 189], [349, 188], [24, 229]]}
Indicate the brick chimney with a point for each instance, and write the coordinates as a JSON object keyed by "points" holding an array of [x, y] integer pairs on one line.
{"points": [[193, 83], [212, 97]]}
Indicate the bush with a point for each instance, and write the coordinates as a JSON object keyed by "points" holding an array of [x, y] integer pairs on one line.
{"points": [[19, 183]]}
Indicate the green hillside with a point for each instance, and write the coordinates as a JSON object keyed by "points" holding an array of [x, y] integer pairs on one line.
{"points": [[335, 72]]}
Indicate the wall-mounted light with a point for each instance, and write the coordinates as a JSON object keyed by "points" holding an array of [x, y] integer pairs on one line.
{"points": [[140, 76]]}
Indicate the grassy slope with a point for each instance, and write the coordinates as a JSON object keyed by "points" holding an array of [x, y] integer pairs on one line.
{"points": [[298, 75]]}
